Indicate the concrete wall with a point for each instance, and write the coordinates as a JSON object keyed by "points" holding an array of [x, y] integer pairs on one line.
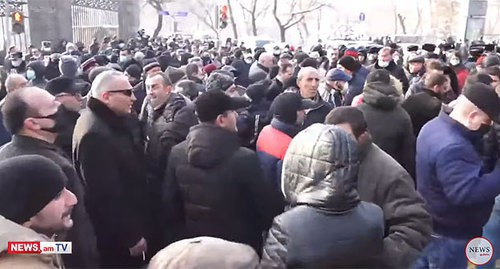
{"points": [[50, 20], [129, 18]]}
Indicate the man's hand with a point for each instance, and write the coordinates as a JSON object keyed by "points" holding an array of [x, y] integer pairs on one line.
{"points": [[139, 248]]}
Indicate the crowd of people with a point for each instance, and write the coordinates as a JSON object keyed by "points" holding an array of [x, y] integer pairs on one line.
{"points": [[180, 155]]}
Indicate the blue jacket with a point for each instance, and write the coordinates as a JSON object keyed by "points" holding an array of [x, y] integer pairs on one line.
{"points": [[459, 196], [356, 85], [272, 144]]}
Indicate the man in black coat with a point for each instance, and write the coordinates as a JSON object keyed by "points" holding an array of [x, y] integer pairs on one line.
{"points": [[385, 61], [214, 187], [140, 88], [157, 121], [35, 119], [111, 165], [426, 105], [308, 82], [66, 93]]}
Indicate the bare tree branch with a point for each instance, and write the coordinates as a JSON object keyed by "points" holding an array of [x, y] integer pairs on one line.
{"points": [[307, 10], [294, 22]]}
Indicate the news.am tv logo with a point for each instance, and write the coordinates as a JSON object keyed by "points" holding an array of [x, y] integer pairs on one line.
{"points": [[39, 247]]}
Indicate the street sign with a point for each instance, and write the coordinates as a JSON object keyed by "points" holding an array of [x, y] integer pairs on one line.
{"points": [[164, 12], [362, 16], [180, 13]]}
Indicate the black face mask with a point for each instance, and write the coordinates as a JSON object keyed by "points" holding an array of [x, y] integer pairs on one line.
{"points": [[60, 119], [483, 129]]}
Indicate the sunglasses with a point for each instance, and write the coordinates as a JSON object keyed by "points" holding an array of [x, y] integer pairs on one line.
{"points": [[127, 92]]}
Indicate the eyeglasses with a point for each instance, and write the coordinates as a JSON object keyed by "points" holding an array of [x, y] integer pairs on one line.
{"points": [[127, 92]]}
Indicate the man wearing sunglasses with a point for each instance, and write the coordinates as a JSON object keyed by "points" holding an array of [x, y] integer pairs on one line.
{"points": [[66, 93], [112, 166], [35, 119]]}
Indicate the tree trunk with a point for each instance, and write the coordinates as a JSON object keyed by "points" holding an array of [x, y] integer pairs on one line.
{"points": [[159, 25], [254, 24], [282, 33], [233, 23], [402, 23]]}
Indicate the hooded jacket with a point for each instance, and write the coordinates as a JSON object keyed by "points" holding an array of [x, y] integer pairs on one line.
{"points": [[356, 84], [319, 182], [389, 124], [10, 231], [214, 187], [39, 80]]}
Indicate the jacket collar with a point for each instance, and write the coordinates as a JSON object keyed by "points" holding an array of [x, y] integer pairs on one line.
{"points": [[365, 147], [32, 142], [462, 130], [263, 67], [289, 129], [106, 114], [432, 93]]}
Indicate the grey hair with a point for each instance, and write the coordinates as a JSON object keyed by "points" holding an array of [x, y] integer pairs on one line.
{"points": [[12, 81], [305, 70], [103, 81]]}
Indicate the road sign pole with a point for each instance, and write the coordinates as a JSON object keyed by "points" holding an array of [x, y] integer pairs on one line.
{"points": [[8, 30]]}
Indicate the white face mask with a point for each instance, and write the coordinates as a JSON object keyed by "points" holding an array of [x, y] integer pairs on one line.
{"points": [[123, 59], [248, 60], [454, 61], [383, 64], [17, 62], [30, 74]]}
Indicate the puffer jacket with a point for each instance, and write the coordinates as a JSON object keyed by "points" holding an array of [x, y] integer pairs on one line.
{"points": [[319, 183], [389, 124], [10, 231], [214, 187], [257, 72]]}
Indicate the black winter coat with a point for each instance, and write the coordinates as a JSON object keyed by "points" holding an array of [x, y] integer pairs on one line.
{"points": [[275, 89], [82, 234], [389, 124], [318, 113], [422, 107], [65, 139], [214, 187], [112, 169]]}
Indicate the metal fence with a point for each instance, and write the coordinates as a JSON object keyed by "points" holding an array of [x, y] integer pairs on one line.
{"points": [[21, 41], [90, 23]]}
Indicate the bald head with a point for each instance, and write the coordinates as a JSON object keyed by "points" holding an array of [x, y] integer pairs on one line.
{"points": [[31, 102], [469, 115], [266, 59], [15, 82]]}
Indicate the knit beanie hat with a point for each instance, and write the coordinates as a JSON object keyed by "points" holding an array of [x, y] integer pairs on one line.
{"points": [[134, 71], [27, 184], [219, 81], [175, 74], [349, 63]]}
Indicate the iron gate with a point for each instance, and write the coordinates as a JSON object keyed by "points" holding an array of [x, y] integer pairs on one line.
{"points": [[94, 19]]}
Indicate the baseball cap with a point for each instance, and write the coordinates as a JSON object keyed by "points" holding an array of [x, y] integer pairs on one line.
{"points": [[214, 103], [485, 98], [337, 75]]}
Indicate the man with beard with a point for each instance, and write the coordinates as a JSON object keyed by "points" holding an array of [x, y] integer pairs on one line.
{"points": [[16, 64], [35, 119], [112, 166], [386, 61], [426, 105], [66, 93], [34, 205], [334, 87]]}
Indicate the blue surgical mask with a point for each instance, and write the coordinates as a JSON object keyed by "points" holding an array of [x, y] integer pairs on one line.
{"points": [[30, 74]]}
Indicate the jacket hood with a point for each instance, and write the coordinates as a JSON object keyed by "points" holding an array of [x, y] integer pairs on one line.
{"points": [[38, 67], [11, 231], [209, 145], [320, 169], [381, 95]]}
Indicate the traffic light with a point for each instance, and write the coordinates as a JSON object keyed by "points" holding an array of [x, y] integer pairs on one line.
{"points": [[223, 17], [17, 22]]}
